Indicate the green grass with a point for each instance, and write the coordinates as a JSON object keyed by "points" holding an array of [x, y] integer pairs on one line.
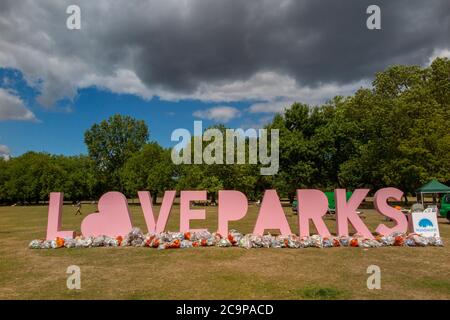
{"points": [[434, 285], [318, 293], [212, 273]]}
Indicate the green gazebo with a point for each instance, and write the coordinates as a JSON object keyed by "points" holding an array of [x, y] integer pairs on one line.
{"points": [[432, 187]]}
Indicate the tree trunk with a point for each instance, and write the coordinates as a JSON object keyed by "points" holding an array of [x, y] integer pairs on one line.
{"points": [[291, 197], [213, 198]]}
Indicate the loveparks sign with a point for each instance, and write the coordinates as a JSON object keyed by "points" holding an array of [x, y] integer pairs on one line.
{"points": [[113, 217], [112, 224]]}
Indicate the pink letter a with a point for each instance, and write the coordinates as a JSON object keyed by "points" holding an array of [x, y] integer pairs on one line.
{"points": [[271, 215]]}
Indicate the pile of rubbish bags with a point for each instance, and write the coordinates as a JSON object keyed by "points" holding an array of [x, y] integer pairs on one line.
{"points": [[176, 240]]}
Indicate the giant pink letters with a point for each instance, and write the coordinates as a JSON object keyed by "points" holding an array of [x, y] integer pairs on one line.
{"points": [[146, 203], [346, 212], [312, 205], [381, 205], [54, 217], [271, 215], [233, 206], [186, 213], [114, 219]]}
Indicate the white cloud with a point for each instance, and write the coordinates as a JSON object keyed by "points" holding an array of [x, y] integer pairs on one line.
{"points": [[313, 96], [257, 122], [272, 90], [4, 152], [123, 81], [220, 113], [13, 108], [265, 85], [268, 86], [439, 53], [270, 107]]}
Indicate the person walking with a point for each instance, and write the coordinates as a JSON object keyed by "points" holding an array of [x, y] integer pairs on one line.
{"points": [[78, 205]]}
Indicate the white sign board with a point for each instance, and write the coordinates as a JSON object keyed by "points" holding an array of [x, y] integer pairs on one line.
{"points": [[425, 223]]}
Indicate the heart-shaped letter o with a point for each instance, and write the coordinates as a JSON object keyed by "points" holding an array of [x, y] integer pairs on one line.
{"points": [[113, 218]]}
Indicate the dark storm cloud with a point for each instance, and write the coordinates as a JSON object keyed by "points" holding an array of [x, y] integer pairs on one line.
{"points": [[313, 41], [175, 46]]}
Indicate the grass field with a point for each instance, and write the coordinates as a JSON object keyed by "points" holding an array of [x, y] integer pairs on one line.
{"points": [[212, 273]]}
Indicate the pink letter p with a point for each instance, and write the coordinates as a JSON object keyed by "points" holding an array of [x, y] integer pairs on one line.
{"points": [[233, 206]]}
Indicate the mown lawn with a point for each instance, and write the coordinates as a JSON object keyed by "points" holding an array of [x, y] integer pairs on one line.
{"points": [[212, 273]]}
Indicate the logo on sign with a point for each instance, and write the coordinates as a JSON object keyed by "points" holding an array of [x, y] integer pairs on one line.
{"points": [[424, 223]]}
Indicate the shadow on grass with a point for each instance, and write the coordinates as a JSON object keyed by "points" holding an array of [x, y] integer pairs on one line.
{"points": [[440, 285], [320, 293]]}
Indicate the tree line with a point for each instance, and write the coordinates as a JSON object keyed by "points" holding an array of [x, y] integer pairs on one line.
{"points": [[396, 133]]}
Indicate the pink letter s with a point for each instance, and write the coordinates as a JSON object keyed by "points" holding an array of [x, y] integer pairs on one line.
{"points": [[381, 205]]}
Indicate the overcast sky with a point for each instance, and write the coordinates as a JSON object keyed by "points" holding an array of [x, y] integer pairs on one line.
{"points": [[267, 53]]}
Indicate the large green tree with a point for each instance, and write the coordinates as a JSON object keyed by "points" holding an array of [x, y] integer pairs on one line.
{"points": [[4, 177], [393, 134], [149, 169], [214, 177], [31, 177], [306, 149], [113, 141], [401, 128]]}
